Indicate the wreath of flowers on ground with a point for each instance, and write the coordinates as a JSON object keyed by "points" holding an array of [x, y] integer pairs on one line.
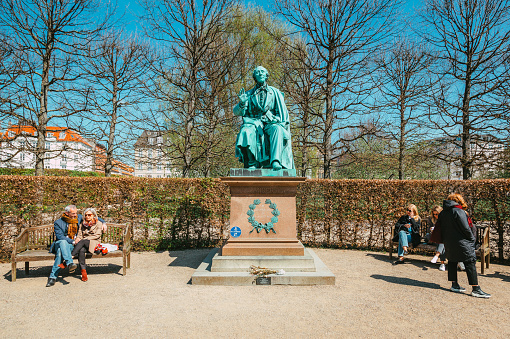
{"points": [[268, 226]]}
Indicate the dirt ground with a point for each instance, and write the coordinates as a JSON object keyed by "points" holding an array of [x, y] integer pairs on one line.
{"points": [[371, 298]]}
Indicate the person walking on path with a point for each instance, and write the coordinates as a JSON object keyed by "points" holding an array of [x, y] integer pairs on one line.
{"points": [[459, 241]]}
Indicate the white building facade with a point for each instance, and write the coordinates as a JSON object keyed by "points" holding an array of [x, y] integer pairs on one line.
{"points": [[65, 149], [151, 160]]}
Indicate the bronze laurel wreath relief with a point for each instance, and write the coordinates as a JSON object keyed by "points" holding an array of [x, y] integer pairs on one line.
{"points": [[269, 226]]}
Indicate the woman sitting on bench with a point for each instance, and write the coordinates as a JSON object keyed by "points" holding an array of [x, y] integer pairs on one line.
{"points": [[89, 236], [408, 230]]}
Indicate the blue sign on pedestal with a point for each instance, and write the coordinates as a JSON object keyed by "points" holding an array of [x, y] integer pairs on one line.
{"points": [[235, 232]]}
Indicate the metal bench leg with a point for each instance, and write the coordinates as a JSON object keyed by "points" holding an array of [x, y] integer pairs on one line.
{"points": [[27, 267], [13, 271]]}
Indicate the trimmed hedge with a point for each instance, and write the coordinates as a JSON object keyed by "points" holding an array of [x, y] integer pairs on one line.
{"points": [[187, 213]]}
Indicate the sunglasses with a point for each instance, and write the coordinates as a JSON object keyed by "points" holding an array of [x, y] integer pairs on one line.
{"points": [[409, 210], [89, 214]]}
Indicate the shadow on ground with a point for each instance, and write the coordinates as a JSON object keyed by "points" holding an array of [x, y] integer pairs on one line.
{"points": [[44, 271], [188, 258], [424, 264], [408, 282], [499, 275]]}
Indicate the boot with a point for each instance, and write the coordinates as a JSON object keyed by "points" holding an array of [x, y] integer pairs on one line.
{"points": [[84, 275]]}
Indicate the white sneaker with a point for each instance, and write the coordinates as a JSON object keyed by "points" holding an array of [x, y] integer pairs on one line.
{"points": [[442, 267], [434, 260]]}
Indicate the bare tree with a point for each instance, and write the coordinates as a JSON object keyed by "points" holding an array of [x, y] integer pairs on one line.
{"points": [[404, 82], [47, 37], [473, 40], [343, 33], [116, 67], [189, 31], [305, 102]]}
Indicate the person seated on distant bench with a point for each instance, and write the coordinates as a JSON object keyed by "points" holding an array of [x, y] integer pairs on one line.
{"points": [[66, 229], [431, 223], [407, 231], [89, 236]]}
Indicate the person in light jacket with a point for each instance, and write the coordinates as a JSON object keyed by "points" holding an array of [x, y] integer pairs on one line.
{"points": [[89, 236], [459, 241]]}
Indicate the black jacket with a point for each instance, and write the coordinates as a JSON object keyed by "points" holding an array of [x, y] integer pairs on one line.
{"points": [[414, 229], [458, 238]]}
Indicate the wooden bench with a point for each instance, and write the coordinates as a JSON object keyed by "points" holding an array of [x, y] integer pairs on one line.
{"points": [[33, 244], [482, 238]]}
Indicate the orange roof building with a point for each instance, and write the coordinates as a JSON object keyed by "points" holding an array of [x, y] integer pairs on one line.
{"points": [[64, 149]]}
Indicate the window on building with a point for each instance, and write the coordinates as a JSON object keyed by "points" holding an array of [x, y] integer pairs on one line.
{"points": [[159, 166], [151, 141], [46, 166], [76, 157], [140, 166], [140, 153], [159, 176], [22, 156], [22, 144], [160, 140], [149, 153], [62, 135], [149, 167], [47, 145], [159, 153], [63, 166], [149, 176], [64, 157]]}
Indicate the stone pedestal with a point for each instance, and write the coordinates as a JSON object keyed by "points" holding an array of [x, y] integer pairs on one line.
{"points": [[263, 198], [257, 238]]}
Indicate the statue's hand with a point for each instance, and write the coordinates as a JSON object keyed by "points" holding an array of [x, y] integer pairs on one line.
{"points": [[243, 97]]}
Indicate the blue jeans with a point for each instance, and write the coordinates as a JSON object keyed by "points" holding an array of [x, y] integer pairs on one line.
{"points": [[63, 252], [404, 239]]}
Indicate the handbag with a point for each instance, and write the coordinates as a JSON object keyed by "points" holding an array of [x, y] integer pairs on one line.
{"points": [[436, 237]]}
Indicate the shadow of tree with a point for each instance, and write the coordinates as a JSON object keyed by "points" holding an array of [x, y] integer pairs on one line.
{"points": [[408, 282], [188, 258]]}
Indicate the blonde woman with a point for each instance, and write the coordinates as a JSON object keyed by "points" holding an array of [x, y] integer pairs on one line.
{"points": [[89, 236], [408, 230]]}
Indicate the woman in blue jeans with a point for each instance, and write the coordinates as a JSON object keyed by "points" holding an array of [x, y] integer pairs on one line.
{"points": [[408, 231]]}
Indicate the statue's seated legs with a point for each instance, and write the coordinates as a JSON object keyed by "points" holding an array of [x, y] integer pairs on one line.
{"points": [[276, 137], [250, 144]]}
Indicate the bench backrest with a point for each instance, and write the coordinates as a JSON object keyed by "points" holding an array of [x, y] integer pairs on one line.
{"points": [[41, 237]]}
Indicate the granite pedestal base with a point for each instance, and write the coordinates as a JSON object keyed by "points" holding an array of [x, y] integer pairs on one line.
{"points": [[263, 201], [234, 270]]}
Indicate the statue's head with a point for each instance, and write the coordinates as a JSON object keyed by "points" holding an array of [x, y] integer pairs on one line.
{"points": [[260, 74]]}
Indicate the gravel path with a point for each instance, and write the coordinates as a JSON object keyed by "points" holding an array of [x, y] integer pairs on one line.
{"points": [[155, 299]]}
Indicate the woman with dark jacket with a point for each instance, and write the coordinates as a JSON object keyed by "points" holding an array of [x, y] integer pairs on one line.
{"points": [[459, 242], [407, 230]]}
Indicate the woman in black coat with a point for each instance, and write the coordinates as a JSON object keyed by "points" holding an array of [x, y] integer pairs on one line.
{"points": [[459, 241], [407, 230]]}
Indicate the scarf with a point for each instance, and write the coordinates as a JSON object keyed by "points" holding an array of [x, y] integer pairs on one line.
{"points": [[89, 225], [470, 222], [72, 227]]}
